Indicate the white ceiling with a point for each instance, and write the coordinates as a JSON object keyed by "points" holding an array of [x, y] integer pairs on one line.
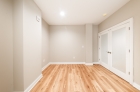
{"points": [[78, 12]]}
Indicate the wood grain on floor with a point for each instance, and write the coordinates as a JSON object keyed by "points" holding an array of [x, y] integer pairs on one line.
{"points": [[81, 78]]}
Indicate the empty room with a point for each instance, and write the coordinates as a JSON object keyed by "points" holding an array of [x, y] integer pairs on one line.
{"points": [[70, 46]]}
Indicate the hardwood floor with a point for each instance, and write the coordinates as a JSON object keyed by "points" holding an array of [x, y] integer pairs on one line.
{"points": [[81, 78]]}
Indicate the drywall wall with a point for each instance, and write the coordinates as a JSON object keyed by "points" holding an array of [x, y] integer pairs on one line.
{"points": [[27, 44], [131, 9], [18, 44], [6, 46], [45, 43], [67, 43], [95, 43], [89, 43], [32, 42]]}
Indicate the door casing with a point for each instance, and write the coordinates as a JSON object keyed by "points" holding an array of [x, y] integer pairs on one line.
{"points": [[130, 24]]}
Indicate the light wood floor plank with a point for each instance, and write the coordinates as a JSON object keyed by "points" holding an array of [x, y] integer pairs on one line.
{"points": [[81, 78]]}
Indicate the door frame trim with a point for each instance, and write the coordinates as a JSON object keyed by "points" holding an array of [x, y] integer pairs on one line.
{"points": [[130, 21]]}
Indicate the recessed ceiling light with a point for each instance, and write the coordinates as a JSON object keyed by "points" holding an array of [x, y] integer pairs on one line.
{"points": [[104, 14], [62, 13]]}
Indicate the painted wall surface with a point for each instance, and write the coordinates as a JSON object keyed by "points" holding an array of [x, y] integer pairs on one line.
{"points": [[67, 44], [45, 43], [18, 44], [32, 42], [95, 43], [131, 9], [89, 43], [6, 46]]}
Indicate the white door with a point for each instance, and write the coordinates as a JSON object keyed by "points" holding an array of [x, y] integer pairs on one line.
{"points": [[119, 48], [104, 49], [114, 50]]}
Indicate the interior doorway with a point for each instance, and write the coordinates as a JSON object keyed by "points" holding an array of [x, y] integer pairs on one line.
{"points": [[116, 49]]}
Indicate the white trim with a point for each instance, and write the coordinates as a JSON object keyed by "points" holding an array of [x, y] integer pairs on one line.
{"points": [[67, 62], [33, 84], [130, 21], [136, 86], [119, 24], [45, 66], [120, 74], [131, 51], [96, 63], [104, 32], [99, 48], [125, 75], [74, 63], [105, 65], [88, 63]]}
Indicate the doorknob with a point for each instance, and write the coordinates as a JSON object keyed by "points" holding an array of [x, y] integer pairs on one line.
{"points": [[108, 52]]}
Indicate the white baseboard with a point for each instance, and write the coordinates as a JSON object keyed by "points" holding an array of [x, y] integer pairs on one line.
{"points": [[88, 63], [136, 86], [67, 62], [92, 63], [96, 63], [74, 63], [33, 84], [45, 66]]}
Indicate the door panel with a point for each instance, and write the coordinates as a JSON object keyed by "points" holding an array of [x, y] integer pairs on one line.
{"points": [[119, 49], [119, 42], [104, 48], [114, 52]]}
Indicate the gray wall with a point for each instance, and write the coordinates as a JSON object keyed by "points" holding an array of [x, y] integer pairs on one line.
{"points": [[95, 43], [6, 46], [131, 9], [89, 43], [27, 44], [18, 44], [32, 44], [45, 43], [66, 43]]}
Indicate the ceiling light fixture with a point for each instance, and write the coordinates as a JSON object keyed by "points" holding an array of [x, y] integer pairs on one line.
{"points": [[62, 13], [104, 14]]}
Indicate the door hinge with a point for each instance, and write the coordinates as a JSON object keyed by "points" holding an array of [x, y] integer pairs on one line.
{"points": [[129, 73], [129, 51], [99, 59]]}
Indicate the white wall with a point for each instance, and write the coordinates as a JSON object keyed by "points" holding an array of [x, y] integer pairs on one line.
{"points": [[32, 44], [6, 46], [45, 43], [66, 43]]}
